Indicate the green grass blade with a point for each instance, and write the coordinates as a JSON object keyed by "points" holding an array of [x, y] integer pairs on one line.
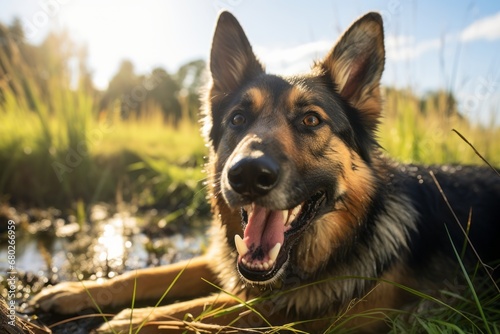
{"points": [[470, 285]]}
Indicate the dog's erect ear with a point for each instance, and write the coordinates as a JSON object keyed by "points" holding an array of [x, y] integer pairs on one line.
{"points": [[231, 59], [356, 62]]}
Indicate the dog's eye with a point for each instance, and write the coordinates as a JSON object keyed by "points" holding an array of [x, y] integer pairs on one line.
{"points": [[311, 120], [238, 120]]}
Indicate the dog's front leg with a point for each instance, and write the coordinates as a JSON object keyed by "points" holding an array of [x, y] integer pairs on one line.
{"points": [[219, 313], [149, 284]]}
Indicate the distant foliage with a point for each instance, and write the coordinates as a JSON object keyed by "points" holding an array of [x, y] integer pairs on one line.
{"points": [[419, 129], [135, 93], [25, 71], [192, 78]]}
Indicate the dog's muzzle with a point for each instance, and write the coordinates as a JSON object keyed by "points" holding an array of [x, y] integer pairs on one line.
{"points": [[270, 228]]}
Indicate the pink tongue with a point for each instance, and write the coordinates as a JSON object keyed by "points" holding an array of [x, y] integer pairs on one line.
{"points": [[265, 228]]}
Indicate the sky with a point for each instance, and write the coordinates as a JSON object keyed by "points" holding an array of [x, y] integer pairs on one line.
{"points": [[429, 44]]}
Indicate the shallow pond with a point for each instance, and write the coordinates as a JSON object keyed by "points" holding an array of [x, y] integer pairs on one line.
{"points": [[50, 247]]}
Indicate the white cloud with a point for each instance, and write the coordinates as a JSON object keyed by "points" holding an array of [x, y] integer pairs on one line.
{"points": [[295, 53], [486, 28], [398, 48], [299, 58], [293, 59], [405, 47]]}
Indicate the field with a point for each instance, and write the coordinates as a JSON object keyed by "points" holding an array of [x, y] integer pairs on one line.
{"points": [[69, 153]]}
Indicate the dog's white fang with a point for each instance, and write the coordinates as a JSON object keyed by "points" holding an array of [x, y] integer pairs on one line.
{"points": [[285, 216], [292, 214], [248, 208], [273, 253], [241, 247]]}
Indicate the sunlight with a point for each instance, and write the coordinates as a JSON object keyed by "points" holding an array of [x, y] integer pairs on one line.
{"points": [[111, 246], [122, 31], [146, 32]]}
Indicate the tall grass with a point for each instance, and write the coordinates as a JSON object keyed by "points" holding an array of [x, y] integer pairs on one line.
{"points": [[63, 151], [420, 131], [56, 149], [69, 154], [59, 156], [33, 139]]}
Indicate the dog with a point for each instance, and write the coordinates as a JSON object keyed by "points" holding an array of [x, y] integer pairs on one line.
{"points": [[314, 225]]}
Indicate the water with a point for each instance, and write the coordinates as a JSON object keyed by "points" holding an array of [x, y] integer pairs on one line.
{"points": [[55, 248]]}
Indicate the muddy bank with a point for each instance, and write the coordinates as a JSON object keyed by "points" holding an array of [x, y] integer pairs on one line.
{"points": [[103, 242]]}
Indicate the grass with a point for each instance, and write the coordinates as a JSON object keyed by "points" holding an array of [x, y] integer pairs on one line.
{"points": [[413, 130], [72, 153], [57, 148], [461, 311], [473, 307]]}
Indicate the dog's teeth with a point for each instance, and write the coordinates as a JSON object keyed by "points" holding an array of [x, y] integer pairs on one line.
{"points": [[285, 216], [296, 210], [293, 213], [273, 253], [248, 208], [241, 247]]}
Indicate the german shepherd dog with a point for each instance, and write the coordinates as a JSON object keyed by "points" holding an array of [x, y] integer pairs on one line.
{"points": [[312, 222]]}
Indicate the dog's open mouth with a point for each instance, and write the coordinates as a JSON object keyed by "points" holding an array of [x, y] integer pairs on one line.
{"points": [[269, 236]]}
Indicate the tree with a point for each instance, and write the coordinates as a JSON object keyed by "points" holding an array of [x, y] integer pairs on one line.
{"points": [[164, 90], [17, 30], [191, 77], [121, 87]]}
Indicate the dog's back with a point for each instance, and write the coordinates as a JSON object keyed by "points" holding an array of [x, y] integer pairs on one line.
{"points": [[456, 204]]}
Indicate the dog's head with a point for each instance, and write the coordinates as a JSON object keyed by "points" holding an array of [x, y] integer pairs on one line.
{"points": [[291, 156]]}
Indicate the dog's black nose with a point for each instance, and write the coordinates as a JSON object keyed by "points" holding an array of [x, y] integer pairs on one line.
{"points": [[254, 176]]}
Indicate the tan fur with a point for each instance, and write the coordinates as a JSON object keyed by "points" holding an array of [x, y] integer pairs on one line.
{"points": [[258, 97], [340, 225], [296, 94]]}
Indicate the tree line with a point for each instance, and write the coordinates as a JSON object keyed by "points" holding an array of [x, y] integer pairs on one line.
{"points": [[27, 69], [31, 73]]}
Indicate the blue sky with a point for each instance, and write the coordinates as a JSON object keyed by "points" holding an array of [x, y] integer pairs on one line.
{"points": [[429, 44]]}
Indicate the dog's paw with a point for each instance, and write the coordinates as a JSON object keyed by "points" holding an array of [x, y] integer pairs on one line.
{"points": [[70, 297], [131, 319]]}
